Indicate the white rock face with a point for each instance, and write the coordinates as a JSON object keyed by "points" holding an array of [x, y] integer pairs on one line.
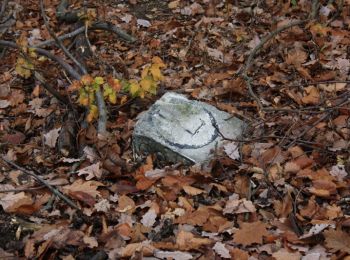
{"points": [[180, 130]]}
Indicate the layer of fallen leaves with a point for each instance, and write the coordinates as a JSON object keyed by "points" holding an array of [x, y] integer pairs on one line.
{"points": [[286, 197]]}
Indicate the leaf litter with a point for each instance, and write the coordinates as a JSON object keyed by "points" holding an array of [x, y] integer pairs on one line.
{"points": [[281, 192]]}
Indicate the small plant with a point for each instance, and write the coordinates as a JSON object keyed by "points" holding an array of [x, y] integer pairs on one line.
{"points": [[24, 65], [87, 87]]}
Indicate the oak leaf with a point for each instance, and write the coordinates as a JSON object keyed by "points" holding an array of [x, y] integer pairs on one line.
{"points": [[91, 171], [85, 191], [125, 204], [12, 202], [312, 96], [176, 255], [192, 190], [221, 250], [283, 254], [187, 241], [51, 137], [337, 240], [250, 233]]}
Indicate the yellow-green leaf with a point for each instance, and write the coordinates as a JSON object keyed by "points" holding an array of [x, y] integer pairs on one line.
{"points": [[146, 83], [23, 68], [83, 98], [156, 73], [158, 61], [93, 113], [99, 80], [86, 80], [32, 52], [134, 87], [112, 97], [145, 71]]}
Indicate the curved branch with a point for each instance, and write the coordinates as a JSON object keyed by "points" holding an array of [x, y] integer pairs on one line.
{"points": [[112, 28], [59, 43], [42, 181], [3, 7], [96, 26]]}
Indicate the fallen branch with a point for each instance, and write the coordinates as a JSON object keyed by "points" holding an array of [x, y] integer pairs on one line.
{"points": [[307, 130], [41, 181], [73, 16], [23, 189], [49, 88], [3, 7], [58, 42], [96, 26]]}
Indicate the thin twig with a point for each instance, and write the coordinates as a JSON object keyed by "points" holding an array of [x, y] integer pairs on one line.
{"points": [[102, 110], [50, 89], [307, 129], [3, 7], [22, 189], [102, 113], [59, 43], [42, 181], [318, 83], [95, 26]]}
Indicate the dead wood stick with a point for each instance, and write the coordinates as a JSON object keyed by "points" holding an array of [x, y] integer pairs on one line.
{"points": [[59, 43], [99, 97], [95, 26], [3, 7], [307, 130], [50, 89], [42, 181], [23, 189]]}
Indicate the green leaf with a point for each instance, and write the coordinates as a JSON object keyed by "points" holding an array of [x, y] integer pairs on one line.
{"points": [[99, 80]]}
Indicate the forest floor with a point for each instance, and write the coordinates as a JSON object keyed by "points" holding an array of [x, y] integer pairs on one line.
{"points": [[68, 192]]}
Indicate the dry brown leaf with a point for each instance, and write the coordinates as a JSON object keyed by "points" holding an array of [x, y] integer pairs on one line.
{"points": [[145, 247], [284, 254], [296, 57], [250, 233], [91, 171], [323, 188], [187, 241], [12, 202], [51, 137], [192, 190], [239, 206], [333, 87], [85, 191], [196, 218], [337, 240], [89, 187], [125, 204], [221, 250], [239, 254], [312, 96], [91, 242]]}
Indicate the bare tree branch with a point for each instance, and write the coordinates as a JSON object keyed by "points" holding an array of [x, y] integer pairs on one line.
{"points": [[42, 181], [59, 43]]}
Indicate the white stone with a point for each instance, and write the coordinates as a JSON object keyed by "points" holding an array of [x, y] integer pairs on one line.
{"points": [[180, 130]]}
